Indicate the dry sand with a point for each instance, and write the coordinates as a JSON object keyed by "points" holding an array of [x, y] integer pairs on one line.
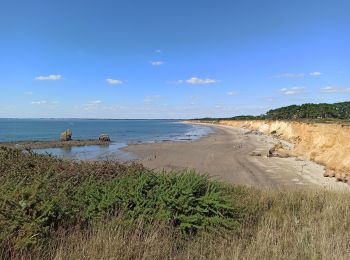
{"points": [[227, 155]]}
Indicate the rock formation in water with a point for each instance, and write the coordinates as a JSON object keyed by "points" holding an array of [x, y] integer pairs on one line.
{"points": [[104, 138], [66, 135]]}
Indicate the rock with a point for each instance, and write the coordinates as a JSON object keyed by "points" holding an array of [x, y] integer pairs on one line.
{"points": [[255, 154], [338, 176], [341, 176], [329, 173], [248, 132], [104, 138], [278, 151], [66, 135]]}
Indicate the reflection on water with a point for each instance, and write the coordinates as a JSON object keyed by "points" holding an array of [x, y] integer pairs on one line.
{"points": [[122, 132], [92, 152]]}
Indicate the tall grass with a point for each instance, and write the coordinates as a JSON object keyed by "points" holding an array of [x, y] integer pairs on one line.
{"points": [[53, 209]]}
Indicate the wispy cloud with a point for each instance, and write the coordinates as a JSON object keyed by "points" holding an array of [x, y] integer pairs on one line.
{"points": [[96, 102], [38, 102], [151, 99], [157, 63], [114, 81], [197, 81], [44, 102], [315, 74], [158, 51], [49, 77], [92, 105], [296, 75], [292, 91], [231, 93], [288, 75], [330, 89]]}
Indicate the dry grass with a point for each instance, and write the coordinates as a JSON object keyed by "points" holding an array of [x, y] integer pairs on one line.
{"points": [[288, 225], [273, 224]]}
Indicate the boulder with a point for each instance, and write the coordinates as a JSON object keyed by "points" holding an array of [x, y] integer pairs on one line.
{"points": [[104, 138], [254, 153], [278, 151], [329, 173], [341, 176], [66, 135], [338, 176]]}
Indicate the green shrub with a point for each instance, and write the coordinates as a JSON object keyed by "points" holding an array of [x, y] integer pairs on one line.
{"points": [[186, 200], [41, 194]]}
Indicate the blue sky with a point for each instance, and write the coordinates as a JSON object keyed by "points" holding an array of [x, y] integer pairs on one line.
{"points": [[170, 59]]}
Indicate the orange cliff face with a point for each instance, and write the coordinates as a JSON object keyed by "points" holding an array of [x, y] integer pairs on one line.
{"points": [[326, 144]]}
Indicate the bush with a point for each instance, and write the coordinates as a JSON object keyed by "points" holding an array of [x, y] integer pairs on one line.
{"points": [[40, 194], [186, 200]]}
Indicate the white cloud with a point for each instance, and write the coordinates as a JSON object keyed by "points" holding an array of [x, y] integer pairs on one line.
{"points": [[49, 77], [44, 102], [92, 105], [231, 93], [158, 51], [292, 91], [197, 81], [38, 102], [151, 99], [330, 89], [315, 73], [288, 75], [114, 81], [157, 63]]}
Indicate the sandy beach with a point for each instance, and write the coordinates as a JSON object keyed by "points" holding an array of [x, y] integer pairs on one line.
{"points": [[229, 154]]}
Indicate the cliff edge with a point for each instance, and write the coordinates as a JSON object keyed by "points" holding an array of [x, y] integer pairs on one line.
{"points": [[326, 144]]}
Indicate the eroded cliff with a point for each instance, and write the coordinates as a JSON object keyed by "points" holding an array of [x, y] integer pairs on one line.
{"points": [[326, 144]]}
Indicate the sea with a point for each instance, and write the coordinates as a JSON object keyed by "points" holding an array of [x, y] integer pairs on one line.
{"points": [[121, 132]]}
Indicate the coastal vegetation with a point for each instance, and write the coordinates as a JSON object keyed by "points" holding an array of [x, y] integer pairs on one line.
{"points": [[56, 209], [309, 111]]}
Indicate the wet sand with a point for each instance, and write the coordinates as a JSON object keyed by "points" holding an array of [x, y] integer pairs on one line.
{"points": [[227, 155]]}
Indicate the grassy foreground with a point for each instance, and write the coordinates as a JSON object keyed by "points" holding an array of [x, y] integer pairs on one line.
{"points": [[54, 209]]}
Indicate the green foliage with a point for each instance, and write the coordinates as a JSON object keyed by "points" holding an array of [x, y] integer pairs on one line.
{"points": [[311, 111], [28, 212], [305, 111], [186, 200], [41, 194]]}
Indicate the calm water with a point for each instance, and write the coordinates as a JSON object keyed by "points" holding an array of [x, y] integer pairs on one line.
{"points": [[122, 133]]}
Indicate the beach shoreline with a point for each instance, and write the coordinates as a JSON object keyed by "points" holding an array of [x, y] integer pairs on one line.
{"points": [[237, 156], [51, 144]]}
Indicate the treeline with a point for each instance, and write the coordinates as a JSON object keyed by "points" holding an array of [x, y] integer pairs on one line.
{"points": [[311, 111], [306, 111]]}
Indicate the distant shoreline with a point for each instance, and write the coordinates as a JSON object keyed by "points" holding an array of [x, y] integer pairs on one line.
{"points": [[51, 144]]}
